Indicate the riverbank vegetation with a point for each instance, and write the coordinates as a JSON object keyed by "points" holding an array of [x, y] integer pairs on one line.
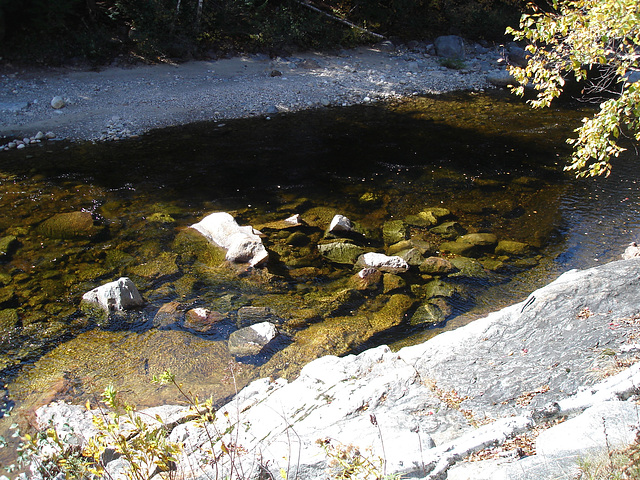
{"points": [[596, 42], [46, 31]]}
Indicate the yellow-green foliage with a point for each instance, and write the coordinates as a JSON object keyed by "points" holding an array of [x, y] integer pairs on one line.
{"points": [[583, 37]]}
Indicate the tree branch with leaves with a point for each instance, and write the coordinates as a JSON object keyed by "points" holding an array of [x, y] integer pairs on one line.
{"points": [[598, 41]]}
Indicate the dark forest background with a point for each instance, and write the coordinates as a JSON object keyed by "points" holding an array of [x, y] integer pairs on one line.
{"points": [[60, 31]]}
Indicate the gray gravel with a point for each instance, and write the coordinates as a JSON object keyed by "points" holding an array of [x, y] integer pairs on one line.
{"points": [[117, 103]]}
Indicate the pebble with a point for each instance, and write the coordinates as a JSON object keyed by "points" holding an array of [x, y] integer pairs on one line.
{"points": [[26, 141]]}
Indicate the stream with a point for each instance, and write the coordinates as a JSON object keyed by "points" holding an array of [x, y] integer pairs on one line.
{"points": [[494, 164]]}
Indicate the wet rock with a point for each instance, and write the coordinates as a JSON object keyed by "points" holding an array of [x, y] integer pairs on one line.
{"points": [[450, 46], [470, 268], [427, 314], [370, 198], [513, 248], [297, 239], [251, 340], [367, 278], [459, 248], [250, 315], [115, 296], [391, 283], [168, 317], [341, 251], [399, 247], [448, 230], [7, 245], [440, 213], [421, 220], [69, 225], [633, 250], [394, 231], [435, 288], [383, 262], [492, 264], [202, 320], [160, 217], [340, 224], [392, 314], [288, 223], [480, 239], [413, 257], [8, 296], [436, 266], [242, 244]]}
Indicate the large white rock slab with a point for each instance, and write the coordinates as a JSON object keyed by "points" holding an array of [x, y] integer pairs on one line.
{"points": [[243, 244]]}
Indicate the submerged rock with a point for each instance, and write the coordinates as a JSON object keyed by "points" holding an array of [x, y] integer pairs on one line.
{"points": [[341, 251], [250, 315], [510, 247], [436, 266], [243, 244], [69, 225], [7, 245], [115, 296], [251, 340], [448, 230], [202, 320], [394, 231]]}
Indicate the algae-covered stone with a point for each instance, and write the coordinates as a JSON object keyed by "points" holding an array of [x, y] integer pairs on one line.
{"points": [[69, 225], [401, 246], [7, 245], [394, 231], [391, 282], [480, 239], [436, 266], [469, 268], [427, 314], [393, 313], [192, 246], [459, 248], [160, 217], [202, 320], [162, 266], [448, 230], [435, 288], [297, 239], [7, 296], [421, 220], [251, 315], [439, 213], [341, 251], [413, 257], [511, 247]]}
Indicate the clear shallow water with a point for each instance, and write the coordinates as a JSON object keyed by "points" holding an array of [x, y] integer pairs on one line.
{"points": [[490, 160]]}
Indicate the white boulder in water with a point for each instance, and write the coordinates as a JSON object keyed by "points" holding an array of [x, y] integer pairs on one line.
{"points": [[243, 244], [115, 296]]}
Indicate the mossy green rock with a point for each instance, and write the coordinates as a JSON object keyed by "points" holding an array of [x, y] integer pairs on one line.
{"points": [[394, 231], [69, 225], [435, 288], [448, 230], [427, 314], [510, 247], [7, 245], [342, 252], [436, 266], [459, 248], [392, 313], [160, 217], [480, 239], [392, 282], [412, 256], [193, 246], [469, 268]]}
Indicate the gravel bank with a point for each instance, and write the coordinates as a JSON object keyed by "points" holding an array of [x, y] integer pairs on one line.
{"points": [[117, 102]]}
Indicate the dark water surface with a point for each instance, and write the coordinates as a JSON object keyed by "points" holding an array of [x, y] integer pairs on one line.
{"points": [[494, 163]]}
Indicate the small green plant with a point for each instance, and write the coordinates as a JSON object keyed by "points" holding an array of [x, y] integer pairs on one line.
{"points": [[453, 63]]}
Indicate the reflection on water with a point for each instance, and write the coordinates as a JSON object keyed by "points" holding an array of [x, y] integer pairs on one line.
{"points": [[495, 164]]}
